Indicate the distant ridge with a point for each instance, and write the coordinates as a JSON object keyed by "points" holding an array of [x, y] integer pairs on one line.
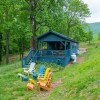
{"points": [[95, 27]]}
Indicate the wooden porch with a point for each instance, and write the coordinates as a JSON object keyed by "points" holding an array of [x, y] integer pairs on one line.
{"points": [[45, 55]]}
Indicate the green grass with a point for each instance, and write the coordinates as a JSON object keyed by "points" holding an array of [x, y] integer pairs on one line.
{"points": [[80, 81]]}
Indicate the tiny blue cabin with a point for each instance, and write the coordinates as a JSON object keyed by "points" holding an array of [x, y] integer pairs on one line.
{"points": [[52, 47]]}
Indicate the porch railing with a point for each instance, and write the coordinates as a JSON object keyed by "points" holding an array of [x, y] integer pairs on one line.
{"points": [[34, 54], [53, 53]]}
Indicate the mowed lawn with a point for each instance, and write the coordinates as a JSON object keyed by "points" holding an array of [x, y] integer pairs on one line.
{"points": [[80, 81]]}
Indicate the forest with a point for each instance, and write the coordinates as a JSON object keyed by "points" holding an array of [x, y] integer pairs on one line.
{"points": [[22, 21]]}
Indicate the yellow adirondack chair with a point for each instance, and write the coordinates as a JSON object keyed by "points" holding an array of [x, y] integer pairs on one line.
{"points": [[43, 77], [45, 85]]}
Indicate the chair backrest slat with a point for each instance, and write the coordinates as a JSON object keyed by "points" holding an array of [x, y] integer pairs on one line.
{"points": [[41, 70], [32, 66], [46, 72]]}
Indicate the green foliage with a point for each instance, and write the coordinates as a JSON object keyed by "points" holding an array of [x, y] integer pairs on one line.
{"points": [[0, 47], [75, 12], [78, 33], [90, 35], [13, 23], [99, 36]]}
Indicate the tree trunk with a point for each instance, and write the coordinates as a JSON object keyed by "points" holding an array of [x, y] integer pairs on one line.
{"points": [[33, 23], [7, 47], [21, 44], [7, 39], [32, 43], [0, 47]]}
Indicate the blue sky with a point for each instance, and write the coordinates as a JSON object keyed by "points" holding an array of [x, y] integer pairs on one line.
{"points": [[94, 6]]}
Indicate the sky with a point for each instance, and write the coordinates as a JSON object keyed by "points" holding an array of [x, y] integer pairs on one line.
{"points": [[94, 6]]}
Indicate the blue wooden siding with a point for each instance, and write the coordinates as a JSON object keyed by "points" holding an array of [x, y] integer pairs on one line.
{"points": [[51, 37]]}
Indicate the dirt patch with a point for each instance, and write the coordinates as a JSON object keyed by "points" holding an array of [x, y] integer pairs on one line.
{"points": [[82, 50], [55, 84], [80, 59]]}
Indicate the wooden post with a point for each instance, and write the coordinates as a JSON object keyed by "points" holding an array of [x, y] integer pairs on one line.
{"points": [[70, 48]]}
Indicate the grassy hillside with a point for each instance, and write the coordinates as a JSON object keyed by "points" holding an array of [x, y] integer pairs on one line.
{"points": [[81, 81], [78, 82], [95, 27]]}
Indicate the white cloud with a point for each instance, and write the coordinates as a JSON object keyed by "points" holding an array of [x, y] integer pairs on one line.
{"points": [[94, 6]]}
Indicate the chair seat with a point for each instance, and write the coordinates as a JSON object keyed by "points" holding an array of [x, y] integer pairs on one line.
{"points": [[42, 83], [30, 86]]}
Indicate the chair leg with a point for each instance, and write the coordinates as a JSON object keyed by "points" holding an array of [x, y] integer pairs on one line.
{"points": [[38, 88]]}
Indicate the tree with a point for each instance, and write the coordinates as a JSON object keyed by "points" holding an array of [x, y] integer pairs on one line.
{"points": [[0, 46], [99, 36], [5, 11], [89, 36], [9, 10], [79, 33], [75, 12]]}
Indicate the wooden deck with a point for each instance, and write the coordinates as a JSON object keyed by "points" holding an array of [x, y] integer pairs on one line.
{"points": [[46, 56], [53, 53]]}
